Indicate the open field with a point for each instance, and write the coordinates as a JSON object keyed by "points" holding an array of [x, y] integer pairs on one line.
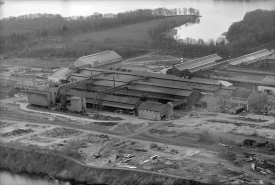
{"points": [[36, 62], [139, 31]]}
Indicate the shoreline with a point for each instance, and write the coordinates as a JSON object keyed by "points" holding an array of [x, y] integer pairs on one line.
{"points": [[64, 168]]}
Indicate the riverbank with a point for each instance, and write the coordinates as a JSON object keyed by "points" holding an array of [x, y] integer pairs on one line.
{"points": [[24, 160]]}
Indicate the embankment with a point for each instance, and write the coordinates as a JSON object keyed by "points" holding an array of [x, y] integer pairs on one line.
{"points": [[22, 160]]}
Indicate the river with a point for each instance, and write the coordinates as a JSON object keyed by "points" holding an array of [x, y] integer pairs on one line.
{"points": [[8, 178], [217, 15]]}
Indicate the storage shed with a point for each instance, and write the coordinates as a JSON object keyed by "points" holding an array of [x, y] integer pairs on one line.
{"points": [[39, 98], [151, 110], [78, 104]]}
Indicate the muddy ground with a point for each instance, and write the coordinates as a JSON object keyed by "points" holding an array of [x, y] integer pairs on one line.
{"points": [[197, 148]]}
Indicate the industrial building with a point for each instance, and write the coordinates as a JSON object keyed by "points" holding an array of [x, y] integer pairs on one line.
{"points": [[155, 111], [107, 59], [248, 99], [192, 66], [149, 95], [270, 61], [61, 74], [250, 58], [111, 89], [7, 91]]}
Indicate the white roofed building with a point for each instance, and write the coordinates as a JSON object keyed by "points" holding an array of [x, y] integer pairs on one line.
{"points": [[106, 60]]}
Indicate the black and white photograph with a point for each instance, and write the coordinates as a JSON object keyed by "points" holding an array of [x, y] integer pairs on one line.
{"points": [[137, 92]]}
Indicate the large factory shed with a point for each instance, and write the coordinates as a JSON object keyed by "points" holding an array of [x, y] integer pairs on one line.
{"points": [[250, 70], [250, 58], [203, 85], [247, 98], [106, 59], [268, 89], [224, 94], [104, 101], [153, 111], [195, 65]]}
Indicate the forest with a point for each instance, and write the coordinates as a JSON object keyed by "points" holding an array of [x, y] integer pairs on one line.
{"points": [[40, 35], [257, 28], [20, 34]]}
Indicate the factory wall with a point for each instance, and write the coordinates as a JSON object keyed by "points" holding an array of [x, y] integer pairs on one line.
{"points": [[151, 115], [253, 100], [39, 98], [194, 97]]}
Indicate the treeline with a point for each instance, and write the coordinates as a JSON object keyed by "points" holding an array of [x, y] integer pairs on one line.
{"points": [[20, 33], [55, 24], [257, 28]]}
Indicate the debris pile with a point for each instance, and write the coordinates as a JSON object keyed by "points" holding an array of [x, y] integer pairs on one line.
{"points": [[19, 131], [61, 132], [5, 124], [40, 139], [228, 155]]}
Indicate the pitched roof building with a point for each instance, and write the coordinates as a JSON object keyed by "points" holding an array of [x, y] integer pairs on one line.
{"points": [[196, 65], [106, 59]]}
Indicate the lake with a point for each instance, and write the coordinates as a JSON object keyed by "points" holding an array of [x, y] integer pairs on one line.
{"points": [[8, 178], [217, 15]]}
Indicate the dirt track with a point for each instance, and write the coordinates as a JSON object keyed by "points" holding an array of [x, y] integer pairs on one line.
{"points": [[142, 136]]}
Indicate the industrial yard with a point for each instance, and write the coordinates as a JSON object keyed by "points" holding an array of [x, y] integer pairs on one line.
{"points": [[132, 115]]}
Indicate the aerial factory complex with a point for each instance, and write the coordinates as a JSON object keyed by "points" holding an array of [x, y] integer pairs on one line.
{"points": [[208, 119]]}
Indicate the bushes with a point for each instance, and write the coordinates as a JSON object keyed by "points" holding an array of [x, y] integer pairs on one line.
{"points": [[205, 137], [34, 162]]}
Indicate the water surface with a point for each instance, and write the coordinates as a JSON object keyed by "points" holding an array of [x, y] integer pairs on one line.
{"points": [[8, 178]]}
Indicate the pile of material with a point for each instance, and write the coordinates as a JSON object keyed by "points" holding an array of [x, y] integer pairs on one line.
{"points": [[17, 132], [62, 132], [228, 155]]}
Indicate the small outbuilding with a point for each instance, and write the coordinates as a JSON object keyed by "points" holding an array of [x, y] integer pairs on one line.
{"points": [[153, 111]]}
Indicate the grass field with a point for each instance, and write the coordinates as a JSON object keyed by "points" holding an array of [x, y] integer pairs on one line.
{"points": [[139, 31]]}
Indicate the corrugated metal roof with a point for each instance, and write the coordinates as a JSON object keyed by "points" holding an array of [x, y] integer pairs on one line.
{"points": [[98, 58], [241, 93], [246, 69], [197, 64], [47, 89], [62, 72], [250, 58], [161, 90], [223, 92], [269, 79], [72, 92], [271, 57], [119, 99], [151, 106], [136, 74], [123, 106]]}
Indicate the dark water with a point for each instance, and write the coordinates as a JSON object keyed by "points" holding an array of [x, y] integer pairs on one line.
{"points": [[8, 178]]}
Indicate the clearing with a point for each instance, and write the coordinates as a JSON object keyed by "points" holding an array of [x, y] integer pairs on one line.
{"points": [[139, 31]]}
